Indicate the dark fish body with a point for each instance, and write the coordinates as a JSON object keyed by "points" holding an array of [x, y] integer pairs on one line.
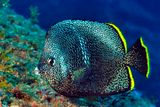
{"points": [[84, 58]]}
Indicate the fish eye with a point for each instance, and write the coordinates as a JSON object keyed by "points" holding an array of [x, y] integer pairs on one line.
{"points": [[51, 61]]}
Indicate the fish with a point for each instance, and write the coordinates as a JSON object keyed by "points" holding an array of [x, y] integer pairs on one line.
{"points": [[87, 58]]}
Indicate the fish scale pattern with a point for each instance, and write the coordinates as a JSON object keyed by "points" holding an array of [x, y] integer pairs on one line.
{"points": [[87, 59]]}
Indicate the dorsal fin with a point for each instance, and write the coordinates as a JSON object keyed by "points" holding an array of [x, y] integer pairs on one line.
{"points": [[120, 35]]}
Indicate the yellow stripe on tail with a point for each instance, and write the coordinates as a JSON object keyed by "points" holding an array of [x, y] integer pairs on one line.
{"points": [[147, 57]]}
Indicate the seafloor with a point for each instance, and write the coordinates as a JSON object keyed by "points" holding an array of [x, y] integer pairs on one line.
{"points": [[21, 43]]}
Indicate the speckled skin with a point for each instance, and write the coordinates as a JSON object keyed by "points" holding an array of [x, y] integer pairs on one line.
{"points": [[88, 59]]}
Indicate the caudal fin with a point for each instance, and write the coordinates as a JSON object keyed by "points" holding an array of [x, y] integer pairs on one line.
{"points": [[138, 57]]}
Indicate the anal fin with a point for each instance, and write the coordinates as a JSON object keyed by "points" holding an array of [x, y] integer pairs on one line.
{"points": [[122, 81]]}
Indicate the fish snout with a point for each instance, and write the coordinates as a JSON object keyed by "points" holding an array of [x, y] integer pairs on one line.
{"points": [[42, 67]]}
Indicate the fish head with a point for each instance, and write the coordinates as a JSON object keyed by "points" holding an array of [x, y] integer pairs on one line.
{"points": [[58, 62], [52, 65]]}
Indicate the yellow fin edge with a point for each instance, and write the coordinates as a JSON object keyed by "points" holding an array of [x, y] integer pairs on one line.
{"points": [[120, 35], [131, 78], [147, 57]]}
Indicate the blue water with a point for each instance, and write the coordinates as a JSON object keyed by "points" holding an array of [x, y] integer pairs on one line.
{"points": [[134, 17]]}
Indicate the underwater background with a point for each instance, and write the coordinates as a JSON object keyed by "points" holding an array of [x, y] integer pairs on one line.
{"points": [[26, 22]]}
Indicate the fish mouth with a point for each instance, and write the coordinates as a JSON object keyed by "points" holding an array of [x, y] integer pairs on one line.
{"points": [[42, 67], [39, 66]]}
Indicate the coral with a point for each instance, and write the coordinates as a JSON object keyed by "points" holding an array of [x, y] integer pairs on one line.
{"points": [[131, 99], [21, 41], [4, 3], [34, 14]]}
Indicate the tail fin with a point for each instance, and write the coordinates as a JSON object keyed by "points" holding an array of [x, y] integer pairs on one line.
{"points": [[138, 57]]}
